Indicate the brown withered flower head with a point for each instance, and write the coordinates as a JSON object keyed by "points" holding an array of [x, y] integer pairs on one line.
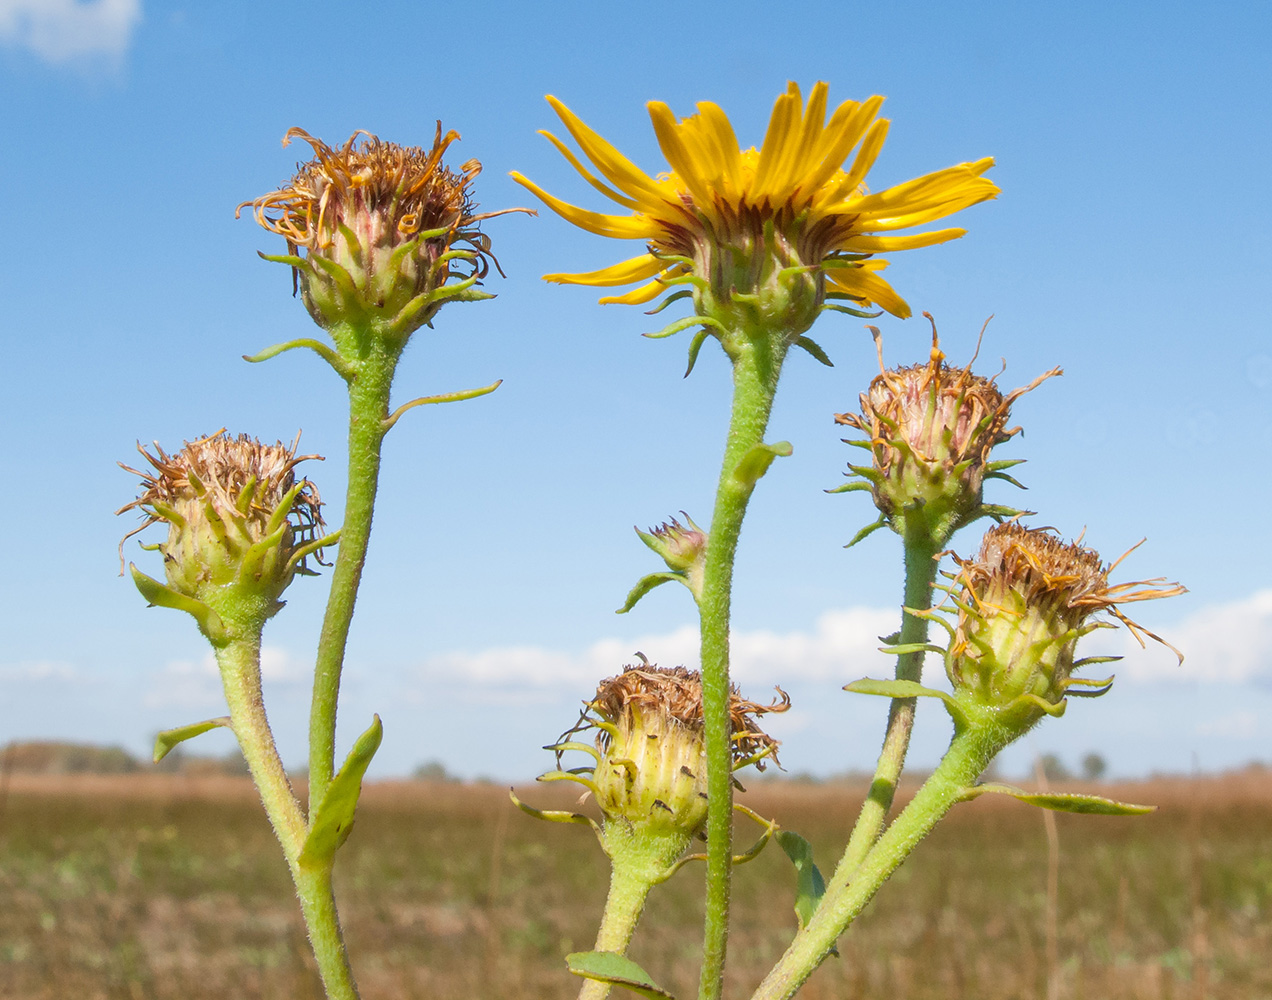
{"points": [[1023, 603], [650, 770], [383, 229], [930, 431], [240, 525]]}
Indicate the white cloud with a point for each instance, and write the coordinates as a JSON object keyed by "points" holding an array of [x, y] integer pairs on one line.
{"points": [[38, 670], [1226, 643], [196, 685], [842, 646], [63, 31]]}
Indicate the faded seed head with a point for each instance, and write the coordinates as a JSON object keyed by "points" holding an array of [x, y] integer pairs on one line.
{"points": [[383, 228], [238, 521], [1025, 600], [931, 430], [651, 764]]}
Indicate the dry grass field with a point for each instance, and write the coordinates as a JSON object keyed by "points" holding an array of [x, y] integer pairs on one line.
{"points": [[167, 887]]}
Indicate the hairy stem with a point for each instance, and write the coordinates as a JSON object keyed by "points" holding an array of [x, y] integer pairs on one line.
{"points": [[920, 573], [756, 367], [368, 409], [623, 906], [241, 676], [848, 892]]}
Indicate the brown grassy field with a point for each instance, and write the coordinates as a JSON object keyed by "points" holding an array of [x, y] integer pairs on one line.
{"points": [[149, 887]]}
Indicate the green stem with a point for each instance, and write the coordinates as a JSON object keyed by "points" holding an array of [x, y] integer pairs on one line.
{"points": [[369, 389], [849, 891], [239, 662], [318, 904], [756, 366], [920, 574], [623, 906]]}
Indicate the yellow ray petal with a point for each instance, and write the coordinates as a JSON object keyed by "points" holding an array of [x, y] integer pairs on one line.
{"points": [[621, 227], [618, 169], [841, 137], [865, 283], [588, 176], [866, 156], [864, 243], [635, 269], [677, 156], [786, 110], [636, 297]]}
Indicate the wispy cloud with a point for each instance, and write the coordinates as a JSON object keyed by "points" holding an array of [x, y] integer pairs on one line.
{"points": [[842, 645], [1226, 643], [67, 31], [196, 684], [38, 670]]}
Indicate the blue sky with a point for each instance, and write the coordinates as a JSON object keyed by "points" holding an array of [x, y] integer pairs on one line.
{"points": [[1129, 246]]}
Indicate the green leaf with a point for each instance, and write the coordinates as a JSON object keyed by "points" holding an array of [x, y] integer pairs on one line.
{"points": [[815, 349], [905, 689], [849, 487], [867, 531], [1073, 802], [162, 596], [611, 967], [645, 585], [695, 346], [809, 884], [169, 738], [757, 460], [333, 819]]}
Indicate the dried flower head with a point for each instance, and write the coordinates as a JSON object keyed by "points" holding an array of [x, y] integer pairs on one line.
{"points": [[650, 764], [1023, 603], [930, 431], [239, 524], [762, 236], [383, 228]]}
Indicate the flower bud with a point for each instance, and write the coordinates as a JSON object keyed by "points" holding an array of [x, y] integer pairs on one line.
{"points": [[383, 228], [239, 525], [1025, 601], [931, 429], [683, 549]]}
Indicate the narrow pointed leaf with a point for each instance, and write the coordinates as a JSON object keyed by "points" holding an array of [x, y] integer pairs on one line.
{"points": [[815, 349], [645, 585], [866, 532], [169, 738], [849, 487], [333, 819], [695, 346], [611, 967], [1062, 801]]}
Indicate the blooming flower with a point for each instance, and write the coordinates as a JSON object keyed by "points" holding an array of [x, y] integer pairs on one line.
{"points": [[383, 228], [786, 222]]}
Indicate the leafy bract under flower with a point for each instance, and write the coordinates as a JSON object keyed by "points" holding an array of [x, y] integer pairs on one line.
{"points": [[797, 196]]}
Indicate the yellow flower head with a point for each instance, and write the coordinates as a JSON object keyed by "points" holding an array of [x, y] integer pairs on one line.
{"points": [[732, 221]]}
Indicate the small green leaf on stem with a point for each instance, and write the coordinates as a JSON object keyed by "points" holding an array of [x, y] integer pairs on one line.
{"points": [[905, 689], [611, 967], [809, 884], [1062, 801], [645, 585], [815, 349], [757, 460], [169, 738], [333, 819]]}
